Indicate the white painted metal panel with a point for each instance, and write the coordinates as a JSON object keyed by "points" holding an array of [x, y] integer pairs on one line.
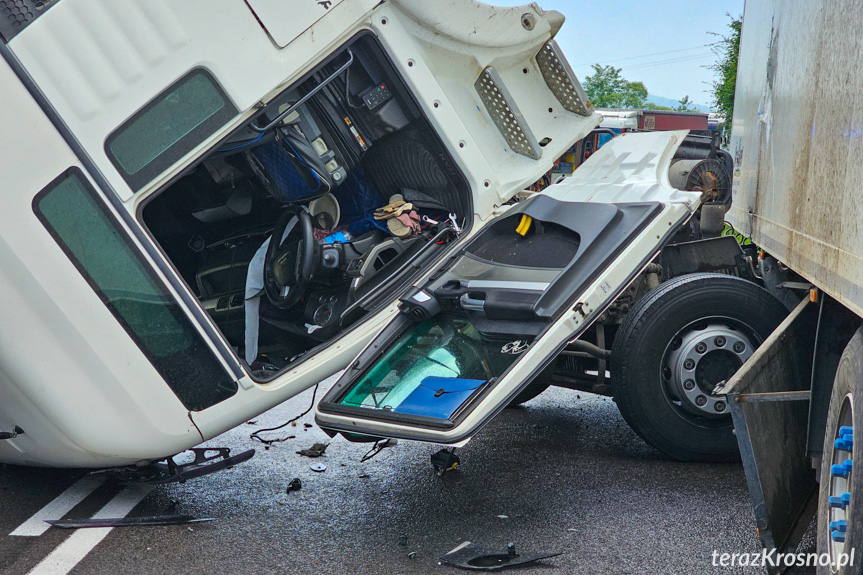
{"points": [[284, 20], [634, 169], [620, 119], [69, 374], [99, 61], [797, 140]]}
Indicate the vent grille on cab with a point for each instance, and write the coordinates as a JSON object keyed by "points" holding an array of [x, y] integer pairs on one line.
{"points": [[15, 15], [506, 115]]}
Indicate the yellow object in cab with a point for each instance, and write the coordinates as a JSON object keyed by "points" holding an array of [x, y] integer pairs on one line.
{"points": [[524, 225]]}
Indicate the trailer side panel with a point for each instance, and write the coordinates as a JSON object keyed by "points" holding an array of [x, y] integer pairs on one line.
{"points": [[798, 136]]}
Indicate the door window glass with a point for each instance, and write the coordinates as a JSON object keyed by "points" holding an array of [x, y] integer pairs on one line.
{"points": [[431, 370]]}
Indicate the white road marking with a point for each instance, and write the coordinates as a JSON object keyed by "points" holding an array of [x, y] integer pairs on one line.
{"points": [[64, 558], [60, 506]]}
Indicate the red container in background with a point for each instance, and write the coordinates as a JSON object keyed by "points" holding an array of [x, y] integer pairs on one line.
{"points": [[662, 120]]}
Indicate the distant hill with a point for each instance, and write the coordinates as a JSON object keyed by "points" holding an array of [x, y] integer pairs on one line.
{"points": [[672, 103]]}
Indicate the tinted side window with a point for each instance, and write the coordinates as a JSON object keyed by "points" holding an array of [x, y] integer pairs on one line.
{"points": [[79, 221], [168, 127]]}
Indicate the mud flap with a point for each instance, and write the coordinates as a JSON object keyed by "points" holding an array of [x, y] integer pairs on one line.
{"points": [[769, 401]]}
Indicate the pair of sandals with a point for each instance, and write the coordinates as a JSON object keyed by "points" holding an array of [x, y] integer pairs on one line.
{"points": [[401, 217]]}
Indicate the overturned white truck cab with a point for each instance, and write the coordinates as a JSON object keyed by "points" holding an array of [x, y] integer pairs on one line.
{"points": [[210, 207]]}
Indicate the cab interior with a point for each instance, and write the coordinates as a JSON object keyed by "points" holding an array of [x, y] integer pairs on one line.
{"points": [[315, 212]]}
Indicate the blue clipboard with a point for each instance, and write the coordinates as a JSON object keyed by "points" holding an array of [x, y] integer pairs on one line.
{"points": [[438, 397]]}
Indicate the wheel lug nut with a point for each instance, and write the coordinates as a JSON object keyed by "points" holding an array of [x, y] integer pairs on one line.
{"points": [[700, 401], [719, 406], [739, 347], [688, 385], [701, 347], [719, 341], [688, 364]]}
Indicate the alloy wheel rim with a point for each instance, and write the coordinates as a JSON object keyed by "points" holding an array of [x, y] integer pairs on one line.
{"points": [[699, 358]]}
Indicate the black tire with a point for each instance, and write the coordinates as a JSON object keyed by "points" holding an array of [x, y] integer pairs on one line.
{"points": [[528, 393], [846, 408], [642, 387], [539, 384]]}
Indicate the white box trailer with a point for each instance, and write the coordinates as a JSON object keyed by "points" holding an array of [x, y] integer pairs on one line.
{"points": [[798, 162]]}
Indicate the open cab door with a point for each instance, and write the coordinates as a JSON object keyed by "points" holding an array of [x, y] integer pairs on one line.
{"points": [[491, 318]]}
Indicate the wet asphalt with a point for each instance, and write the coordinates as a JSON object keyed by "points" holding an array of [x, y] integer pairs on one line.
{"points": [[563, 473]]}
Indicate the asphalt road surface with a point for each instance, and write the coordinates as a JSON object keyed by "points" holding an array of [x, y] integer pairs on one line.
{"points": [[561, 474]]}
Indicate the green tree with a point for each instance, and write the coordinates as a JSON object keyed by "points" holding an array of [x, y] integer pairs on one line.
{"points": [[652, 106], [606, 88], [727, 49], [686, 105], [635, 95]]}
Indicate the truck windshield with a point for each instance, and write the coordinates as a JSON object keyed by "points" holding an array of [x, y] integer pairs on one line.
{"points": [[431, 370]]}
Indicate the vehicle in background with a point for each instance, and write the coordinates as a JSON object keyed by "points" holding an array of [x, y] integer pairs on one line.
{"points": [[649, 120], [715, 121], [621, 121]]}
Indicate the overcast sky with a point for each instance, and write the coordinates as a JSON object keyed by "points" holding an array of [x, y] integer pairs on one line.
{"points": [[658, 42]]}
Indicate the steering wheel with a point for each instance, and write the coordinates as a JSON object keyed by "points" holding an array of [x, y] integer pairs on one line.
{"points": [[292, 257]]}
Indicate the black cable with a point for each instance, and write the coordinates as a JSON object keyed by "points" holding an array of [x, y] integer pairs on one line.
{"points": [[733, 229], [257, 437], [376, 448]]}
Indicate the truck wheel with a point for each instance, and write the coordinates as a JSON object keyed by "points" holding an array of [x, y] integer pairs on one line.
{"points": [[528, 393], [676, 345], [840, 486], [539, 384]]}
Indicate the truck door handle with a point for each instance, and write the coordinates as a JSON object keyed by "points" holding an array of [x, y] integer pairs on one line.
{"points": [[469, 303]]}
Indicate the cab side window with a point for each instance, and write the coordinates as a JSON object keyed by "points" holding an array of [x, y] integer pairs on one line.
{"points": [[168, 127], [86, 231]]}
